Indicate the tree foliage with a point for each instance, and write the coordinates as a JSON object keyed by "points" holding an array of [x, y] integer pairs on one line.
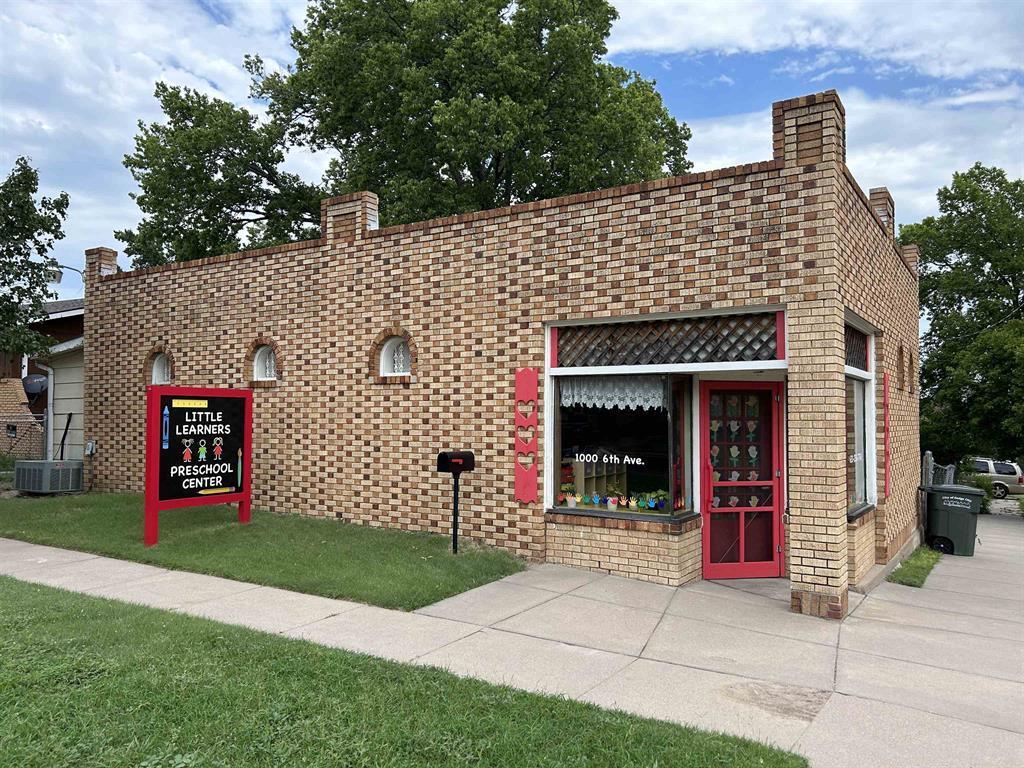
{"points": [[208, 177], [28, 230], [972, 291], [438, 106]]}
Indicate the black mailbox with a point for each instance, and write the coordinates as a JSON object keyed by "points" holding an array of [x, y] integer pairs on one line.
{"points": [[455, 462]]}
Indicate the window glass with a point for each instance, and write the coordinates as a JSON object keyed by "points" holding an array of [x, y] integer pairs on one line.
{"points": [[620, 440], [264, 364], [856, 444], [1003, 468], [980, 466], [161, 373], [395, 359]]}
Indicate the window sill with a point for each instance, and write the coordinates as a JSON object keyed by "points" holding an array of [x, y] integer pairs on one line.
{"points": [[403, 380], [678, 517], [647, 523], [263, 383], [857, 512]]}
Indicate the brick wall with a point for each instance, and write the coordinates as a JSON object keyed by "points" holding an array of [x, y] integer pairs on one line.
{"points": [[663, 553], [473, 293], [878, 281], [860, 546]]}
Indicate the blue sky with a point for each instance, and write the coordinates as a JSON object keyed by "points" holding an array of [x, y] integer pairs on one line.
{"points": [[929, 88]]}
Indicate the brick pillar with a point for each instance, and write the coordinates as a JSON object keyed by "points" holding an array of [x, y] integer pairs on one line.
{"points": [[816, 411], [810, 138], [809, 130], [911, 256], [884, 208], [99, 262], [348, 217]]}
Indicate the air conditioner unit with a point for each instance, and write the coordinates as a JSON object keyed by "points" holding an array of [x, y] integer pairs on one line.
{"points": [[48, 476]]}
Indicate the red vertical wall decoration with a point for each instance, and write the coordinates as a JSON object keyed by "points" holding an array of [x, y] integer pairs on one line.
{"points": [[526, 407], [885, 438]]}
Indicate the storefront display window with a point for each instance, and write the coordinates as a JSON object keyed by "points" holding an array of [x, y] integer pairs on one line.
{"points": [[623, 443]]}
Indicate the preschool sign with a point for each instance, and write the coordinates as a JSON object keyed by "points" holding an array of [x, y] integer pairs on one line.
{"points": [[198, 450]]}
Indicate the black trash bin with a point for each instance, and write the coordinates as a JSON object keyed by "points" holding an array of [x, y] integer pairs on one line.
{"points": [[953, 518]]}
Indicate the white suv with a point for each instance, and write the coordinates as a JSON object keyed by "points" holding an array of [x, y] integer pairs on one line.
{"points": [[1005, 475]]}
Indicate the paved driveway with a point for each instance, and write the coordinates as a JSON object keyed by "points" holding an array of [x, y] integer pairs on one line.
{"points": [[913, 677]]}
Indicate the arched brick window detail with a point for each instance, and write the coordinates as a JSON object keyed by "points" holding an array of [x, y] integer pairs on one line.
{"points": [[158, 367], [392, 357], [263, 362], [901, 369], [912, 372]]}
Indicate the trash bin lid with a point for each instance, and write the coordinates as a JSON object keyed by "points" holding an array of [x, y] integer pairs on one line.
{"points": [[966, 490]]}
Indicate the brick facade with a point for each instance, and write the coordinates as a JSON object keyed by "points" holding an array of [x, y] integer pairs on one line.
{"points": [[665, 553], [860, 546], [473, 294]]}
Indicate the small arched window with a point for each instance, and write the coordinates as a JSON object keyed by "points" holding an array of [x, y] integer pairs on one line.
{"points": [[900, 369], [264, 363], [161, 371], [395, 359], [912, 373]]}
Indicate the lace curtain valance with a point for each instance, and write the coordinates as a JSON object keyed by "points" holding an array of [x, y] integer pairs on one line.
{"points": [[626, 392]]}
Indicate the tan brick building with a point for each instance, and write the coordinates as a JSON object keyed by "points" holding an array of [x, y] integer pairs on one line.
{"points": [[711, 375]]}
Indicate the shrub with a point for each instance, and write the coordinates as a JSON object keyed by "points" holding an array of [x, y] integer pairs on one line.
{"points": [[982, 482]]}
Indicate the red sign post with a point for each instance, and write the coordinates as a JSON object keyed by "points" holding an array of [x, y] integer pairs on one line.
{"points": [[198, 451]]}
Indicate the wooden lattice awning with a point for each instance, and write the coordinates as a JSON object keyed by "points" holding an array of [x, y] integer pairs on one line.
{"points": [[856, 348], [718, 339]]}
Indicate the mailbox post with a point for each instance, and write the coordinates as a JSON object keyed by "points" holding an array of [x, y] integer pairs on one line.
{"points": [[455, 463]]}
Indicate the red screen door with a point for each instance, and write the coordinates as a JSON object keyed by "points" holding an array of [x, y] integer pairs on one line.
{"points": [[741, 484]]}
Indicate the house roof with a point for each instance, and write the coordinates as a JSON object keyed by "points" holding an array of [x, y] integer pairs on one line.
{"points": [[12, 397], [67, 346], [66, 306]]}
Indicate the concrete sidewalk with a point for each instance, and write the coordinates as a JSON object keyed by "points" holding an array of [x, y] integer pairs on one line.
{"points": [[914, 677]]}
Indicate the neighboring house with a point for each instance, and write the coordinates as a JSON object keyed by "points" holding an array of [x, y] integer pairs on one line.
{"points": [[63, 366], [23, 435], [707, 376]]}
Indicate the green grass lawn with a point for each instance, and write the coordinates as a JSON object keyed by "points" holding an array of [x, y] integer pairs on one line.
{"points": [[390, 568], [88, 682], [915, 569]]}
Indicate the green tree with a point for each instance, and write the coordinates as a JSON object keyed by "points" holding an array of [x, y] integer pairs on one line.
{"points": [[449, 106], [438, 106], [208, 177], [28, 230], [972, 293]]}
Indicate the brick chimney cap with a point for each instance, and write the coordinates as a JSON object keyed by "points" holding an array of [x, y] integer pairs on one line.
{"points": [[809, 100]]}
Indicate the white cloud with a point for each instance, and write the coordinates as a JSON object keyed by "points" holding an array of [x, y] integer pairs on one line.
{"points": [[940, 39], [804, 66], [1007, 93], [830, 72], [911, 147], [76, 77]]}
